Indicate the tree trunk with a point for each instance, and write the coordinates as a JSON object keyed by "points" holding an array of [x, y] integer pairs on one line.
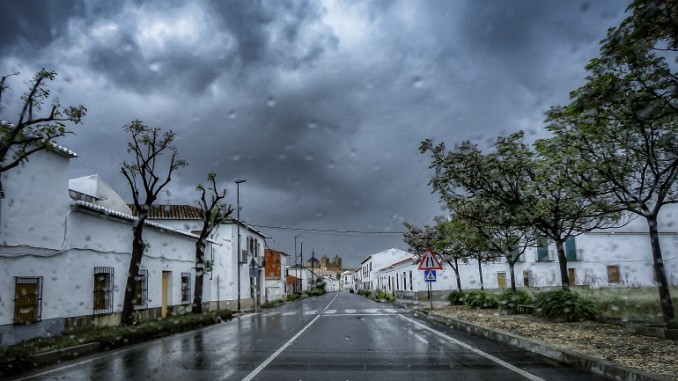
{"points": [[659, 272], [512, 266], [562, 261], [127, 315], [455, 267], [480, 271], [199, 275]]}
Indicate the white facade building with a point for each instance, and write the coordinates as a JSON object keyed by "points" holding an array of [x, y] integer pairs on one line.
{"points": [[348, 280], [619, 257], [65, 248], [376, 262]]}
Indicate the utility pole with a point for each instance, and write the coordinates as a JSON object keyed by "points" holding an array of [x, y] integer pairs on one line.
{"points": [[312, 270], [238, 254]]}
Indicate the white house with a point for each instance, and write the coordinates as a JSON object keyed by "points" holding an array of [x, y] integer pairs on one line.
{"points": [[64, 257], [307, 276], [65, 248], [376, 262], [605, 258], [331, 283], [348, 280], [225, 267]]}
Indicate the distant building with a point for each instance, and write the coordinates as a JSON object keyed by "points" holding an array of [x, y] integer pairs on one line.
{"points": [[274, 271]]}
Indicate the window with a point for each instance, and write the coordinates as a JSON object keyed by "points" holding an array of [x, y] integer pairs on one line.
{"points": [[570, 249], [410, 280], [103, 290], [185, 288], [612, 274], [253, 246], [141, 290], [404, 281], [27, 300], [542, 249]]}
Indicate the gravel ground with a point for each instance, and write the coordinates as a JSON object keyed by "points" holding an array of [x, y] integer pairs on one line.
{"points": [[609, 342]]}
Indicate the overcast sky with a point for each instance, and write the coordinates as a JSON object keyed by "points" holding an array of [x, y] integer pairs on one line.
{"points": [[319, 105]]}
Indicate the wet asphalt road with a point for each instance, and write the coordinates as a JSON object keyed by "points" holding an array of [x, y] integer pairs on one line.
{"points": [[338, 336]]}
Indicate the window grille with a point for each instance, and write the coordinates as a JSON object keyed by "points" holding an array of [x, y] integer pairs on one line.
{"points": [[185, 288], [27, 300], [141, 290], [103, 290]]}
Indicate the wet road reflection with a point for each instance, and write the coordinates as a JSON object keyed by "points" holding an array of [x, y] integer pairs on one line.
{"points": [[338, 336]]}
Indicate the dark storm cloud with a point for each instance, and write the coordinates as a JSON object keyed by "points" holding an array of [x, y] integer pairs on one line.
{"points": [[319, 105], [28, 26]]}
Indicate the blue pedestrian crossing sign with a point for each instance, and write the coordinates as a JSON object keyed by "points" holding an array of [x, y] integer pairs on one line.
{"points": [[430, 275]]}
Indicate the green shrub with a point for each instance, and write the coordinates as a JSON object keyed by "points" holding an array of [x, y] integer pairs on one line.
{"points": [[381, 295], [480, 299], [456, 298], [20, 357], [512, 300], [293, 297], [565, 305], [15, 359]]}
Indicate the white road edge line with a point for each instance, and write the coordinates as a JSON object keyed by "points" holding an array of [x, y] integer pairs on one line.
{"points": [[488, 356], [275, 354]]}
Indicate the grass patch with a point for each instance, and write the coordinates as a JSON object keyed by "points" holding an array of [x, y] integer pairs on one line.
{"points": [[21, 357], [630, 303]]}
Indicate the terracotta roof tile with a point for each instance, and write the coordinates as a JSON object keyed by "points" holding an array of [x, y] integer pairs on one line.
{"points": [[172, 212]]}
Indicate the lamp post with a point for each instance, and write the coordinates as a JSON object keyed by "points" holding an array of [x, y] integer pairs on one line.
{"points": [[238, 254]]}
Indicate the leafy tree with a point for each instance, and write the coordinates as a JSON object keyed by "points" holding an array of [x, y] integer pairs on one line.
{"points": [[529, 191], [214, 212], [442, 239], [501, 229], [146, 180], [621, 125], [456, 244], [419, 239], [34, 132]]}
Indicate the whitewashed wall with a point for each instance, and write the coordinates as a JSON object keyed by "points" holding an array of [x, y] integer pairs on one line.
{"points": [[35, 189]]}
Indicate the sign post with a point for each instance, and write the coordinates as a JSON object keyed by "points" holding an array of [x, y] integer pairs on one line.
{"points": [[429, 264]]}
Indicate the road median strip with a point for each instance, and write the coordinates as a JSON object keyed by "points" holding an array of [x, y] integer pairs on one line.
{"points": [[574, 359]]}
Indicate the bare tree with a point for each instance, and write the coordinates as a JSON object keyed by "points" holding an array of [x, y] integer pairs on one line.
{"points": [[143, 176], [33, 132], [214, 212]]}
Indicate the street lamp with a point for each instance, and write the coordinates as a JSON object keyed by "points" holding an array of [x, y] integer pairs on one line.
{"points": [[238, 254]]}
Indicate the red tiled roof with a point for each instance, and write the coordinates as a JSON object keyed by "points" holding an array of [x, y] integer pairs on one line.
{"points": [[172, 212]]}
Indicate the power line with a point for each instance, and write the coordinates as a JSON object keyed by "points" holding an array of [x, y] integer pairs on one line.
{"points": [[328, 231]]}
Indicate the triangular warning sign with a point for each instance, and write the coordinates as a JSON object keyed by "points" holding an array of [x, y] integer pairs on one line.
{"points": [[429, 261]]}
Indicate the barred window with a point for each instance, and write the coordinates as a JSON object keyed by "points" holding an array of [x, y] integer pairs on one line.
{"points": [[185, 288], [27, 300], [141, 290], [103, 290]]}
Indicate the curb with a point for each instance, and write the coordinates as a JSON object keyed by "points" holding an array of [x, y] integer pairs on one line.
{"points": [[578, 360]]}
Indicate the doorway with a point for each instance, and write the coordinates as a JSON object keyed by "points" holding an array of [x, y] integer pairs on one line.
{"points": [[166, 292]]}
